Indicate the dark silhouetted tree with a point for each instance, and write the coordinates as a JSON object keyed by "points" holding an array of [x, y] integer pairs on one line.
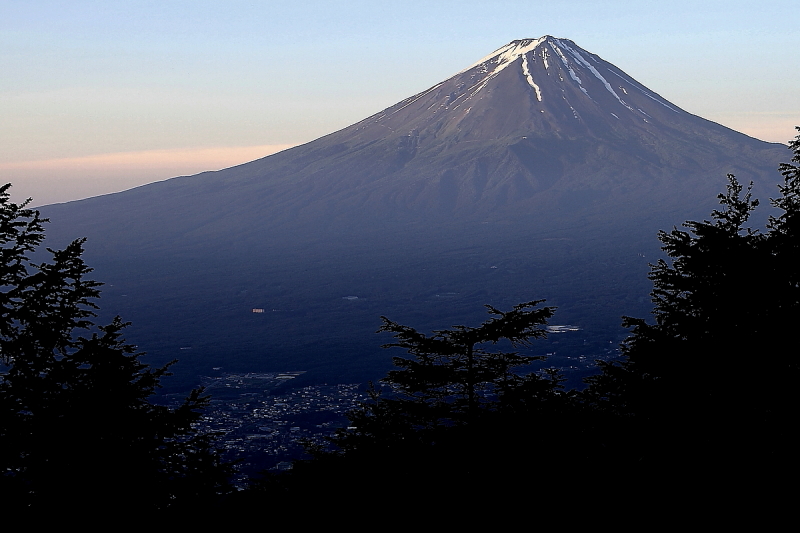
{"points": [[712, 381], [440, 402], [76, 423], [784, 245], [453, 374], [463, 412]]}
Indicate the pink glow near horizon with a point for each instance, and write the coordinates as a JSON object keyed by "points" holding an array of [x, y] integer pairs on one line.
{"points": [[65, 179]]}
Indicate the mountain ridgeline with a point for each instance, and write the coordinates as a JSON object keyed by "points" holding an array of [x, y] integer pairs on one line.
{"points": [[541, 171]]}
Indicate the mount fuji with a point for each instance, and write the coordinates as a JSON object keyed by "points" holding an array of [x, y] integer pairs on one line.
{"points": [[540, 171]]}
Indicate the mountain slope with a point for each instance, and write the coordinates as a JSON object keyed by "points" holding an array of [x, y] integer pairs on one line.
{"points": [[539, 171]]}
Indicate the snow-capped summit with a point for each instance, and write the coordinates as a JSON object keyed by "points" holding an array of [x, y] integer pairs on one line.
{"points": [[531, 56], [508, 53], [533, 53], [544, 86]]}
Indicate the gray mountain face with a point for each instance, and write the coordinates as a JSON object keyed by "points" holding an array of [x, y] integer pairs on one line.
{"points": [[539, 171]]}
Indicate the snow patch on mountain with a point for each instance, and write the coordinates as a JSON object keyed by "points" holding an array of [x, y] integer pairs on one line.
{"points": [[502, 58], [642, 90], [527, 72], [579, 58], [572, 74], [505, 55]]}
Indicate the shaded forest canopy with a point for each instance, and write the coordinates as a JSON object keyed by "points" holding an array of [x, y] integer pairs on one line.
{"points": [[710, 381]]}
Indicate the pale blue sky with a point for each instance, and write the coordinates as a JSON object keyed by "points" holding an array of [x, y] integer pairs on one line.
{"points": [[97, 96]]}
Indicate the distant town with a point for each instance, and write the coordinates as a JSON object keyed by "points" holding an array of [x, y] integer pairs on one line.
{"points": [[263, 421], [259, 419]]}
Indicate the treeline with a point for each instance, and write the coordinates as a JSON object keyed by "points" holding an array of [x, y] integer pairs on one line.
{"points": [[704, 398]]}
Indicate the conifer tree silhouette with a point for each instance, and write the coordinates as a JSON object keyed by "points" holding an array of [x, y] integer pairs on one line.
{"points": [[712, 380], [76, 422]]}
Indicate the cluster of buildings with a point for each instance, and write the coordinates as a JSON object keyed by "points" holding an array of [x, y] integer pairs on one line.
{"points": [[263, 423]]}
